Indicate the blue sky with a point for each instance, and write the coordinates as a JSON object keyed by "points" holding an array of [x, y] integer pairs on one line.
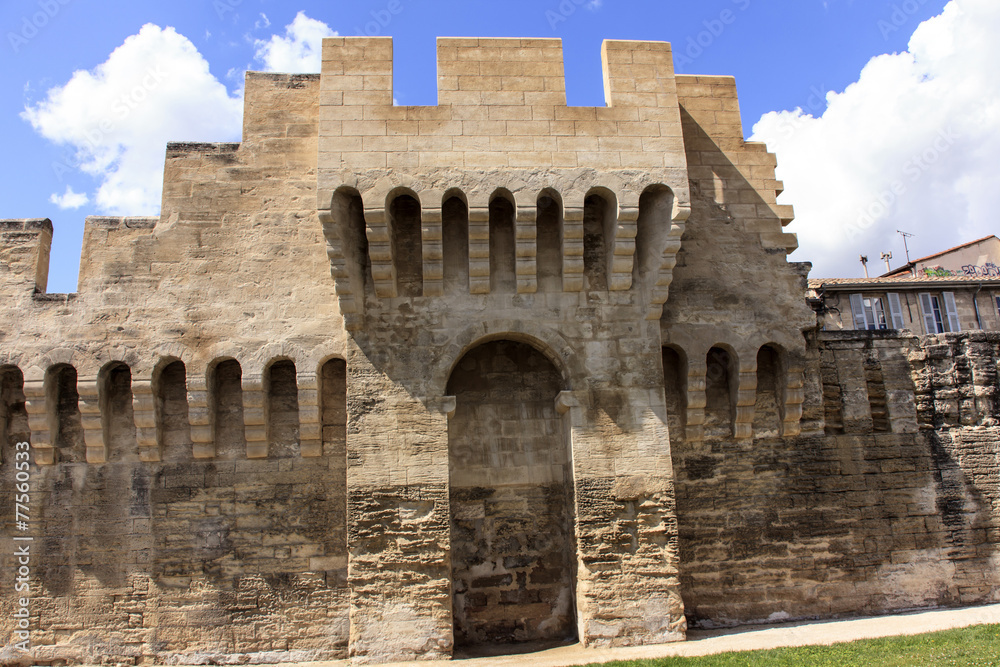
{"points": [[786, 57]]}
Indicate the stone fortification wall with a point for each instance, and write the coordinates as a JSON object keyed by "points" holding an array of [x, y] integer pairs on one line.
{"points": [[382, 380], [253, 452], [185, 415], [887, 500], [818, 475]]}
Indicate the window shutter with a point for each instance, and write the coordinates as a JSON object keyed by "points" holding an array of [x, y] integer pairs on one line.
{"points": [[878, 314], [858, 308], [895, 311], [927, 309], [949, 307]]}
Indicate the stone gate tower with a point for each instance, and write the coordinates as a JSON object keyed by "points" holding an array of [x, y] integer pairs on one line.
{"points": [[501, 262]]}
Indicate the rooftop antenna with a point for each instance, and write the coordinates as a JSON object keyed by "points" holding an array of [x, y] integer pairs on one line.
{"points": [[905, 236], [886, 256], [864, 263]]}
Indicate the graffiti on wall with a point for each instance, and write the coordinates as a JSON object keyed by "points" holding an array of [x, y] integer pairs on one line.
{"points": [[987, 270]]}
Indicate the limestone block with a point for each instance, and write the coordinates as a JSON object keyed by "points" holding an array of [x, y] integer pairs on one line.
{"points": [[200, 418], [479, 249], [255, 416], [310, 426], [623, 248], [91, 420], [144, 412], [380, 251], [746, 395], [794, 398], [572, 248], [856, 408], [694, 422], [433, 252], [525, 239], [24, 251], [665, 275], [39, 421]]}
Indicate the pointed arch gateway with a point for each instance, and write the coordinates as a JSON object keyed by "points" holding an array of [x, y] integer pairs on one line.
{"points": [[512, 548]]}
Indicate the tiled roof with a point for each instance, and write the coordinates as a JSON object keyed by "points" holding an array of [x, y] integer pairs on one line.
{"points": [[906, 267], [902, 280]]}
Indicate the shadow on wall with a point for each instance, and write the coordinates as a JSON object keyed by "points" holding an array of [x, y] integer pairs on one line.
{"points": [[512, 551], [834, 524]]}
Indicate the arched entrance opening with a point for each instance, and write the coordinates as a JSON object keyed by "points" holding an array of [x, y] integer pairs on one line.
{"points": [[512, 549]]}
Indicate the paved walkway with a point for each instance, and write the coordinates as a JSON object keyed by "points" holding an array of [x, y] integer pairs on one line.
{"points": [[739, 639], [701, 642], [753, 638]]}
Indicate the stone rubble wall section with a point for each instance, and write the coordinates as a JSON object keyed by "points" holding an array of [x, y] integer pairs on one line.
{"points": [[858, 519]]}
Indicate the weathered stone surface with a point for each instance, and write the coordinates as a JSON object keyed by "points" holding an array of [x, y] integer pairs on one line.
{"points": [[890, 514], [380, 380]]}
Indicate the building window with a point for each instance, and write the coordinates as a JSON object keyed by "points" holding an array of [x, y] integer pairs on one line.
{"points": [[874, 313], [940, 312], [869, 312], [936, 309], [930, 308]]}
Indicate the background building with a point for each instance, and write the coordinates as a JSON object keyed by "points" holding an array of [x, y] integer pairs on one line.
{"points": [[923, 304], [976, 259]]}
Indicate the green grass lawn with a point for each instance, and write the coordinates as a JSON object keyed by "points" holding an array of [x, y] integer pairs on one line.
{"points": [[979, 645]]}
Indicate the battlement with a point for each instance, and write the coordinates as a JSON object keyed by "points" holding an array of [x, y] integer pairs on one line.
{"points": [[24, 255], [501, 103], [29, 225], [502, 106]]}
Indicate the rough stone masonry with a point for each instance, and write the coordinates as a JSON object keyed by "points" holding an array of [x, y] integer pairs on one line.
{"points": [[381, 381]]}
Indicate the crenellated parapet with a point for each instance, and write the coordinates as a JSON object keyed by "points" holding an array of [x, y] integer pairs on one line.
{"points": [[116, 249], [24, 255], [501, 104]]}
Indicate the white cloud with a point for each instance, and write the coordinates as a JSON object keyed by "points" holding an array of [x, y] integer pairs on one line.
{"points": [[911, 145], [594, 5], [69, 199], [118, 117], [300, 50]]}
